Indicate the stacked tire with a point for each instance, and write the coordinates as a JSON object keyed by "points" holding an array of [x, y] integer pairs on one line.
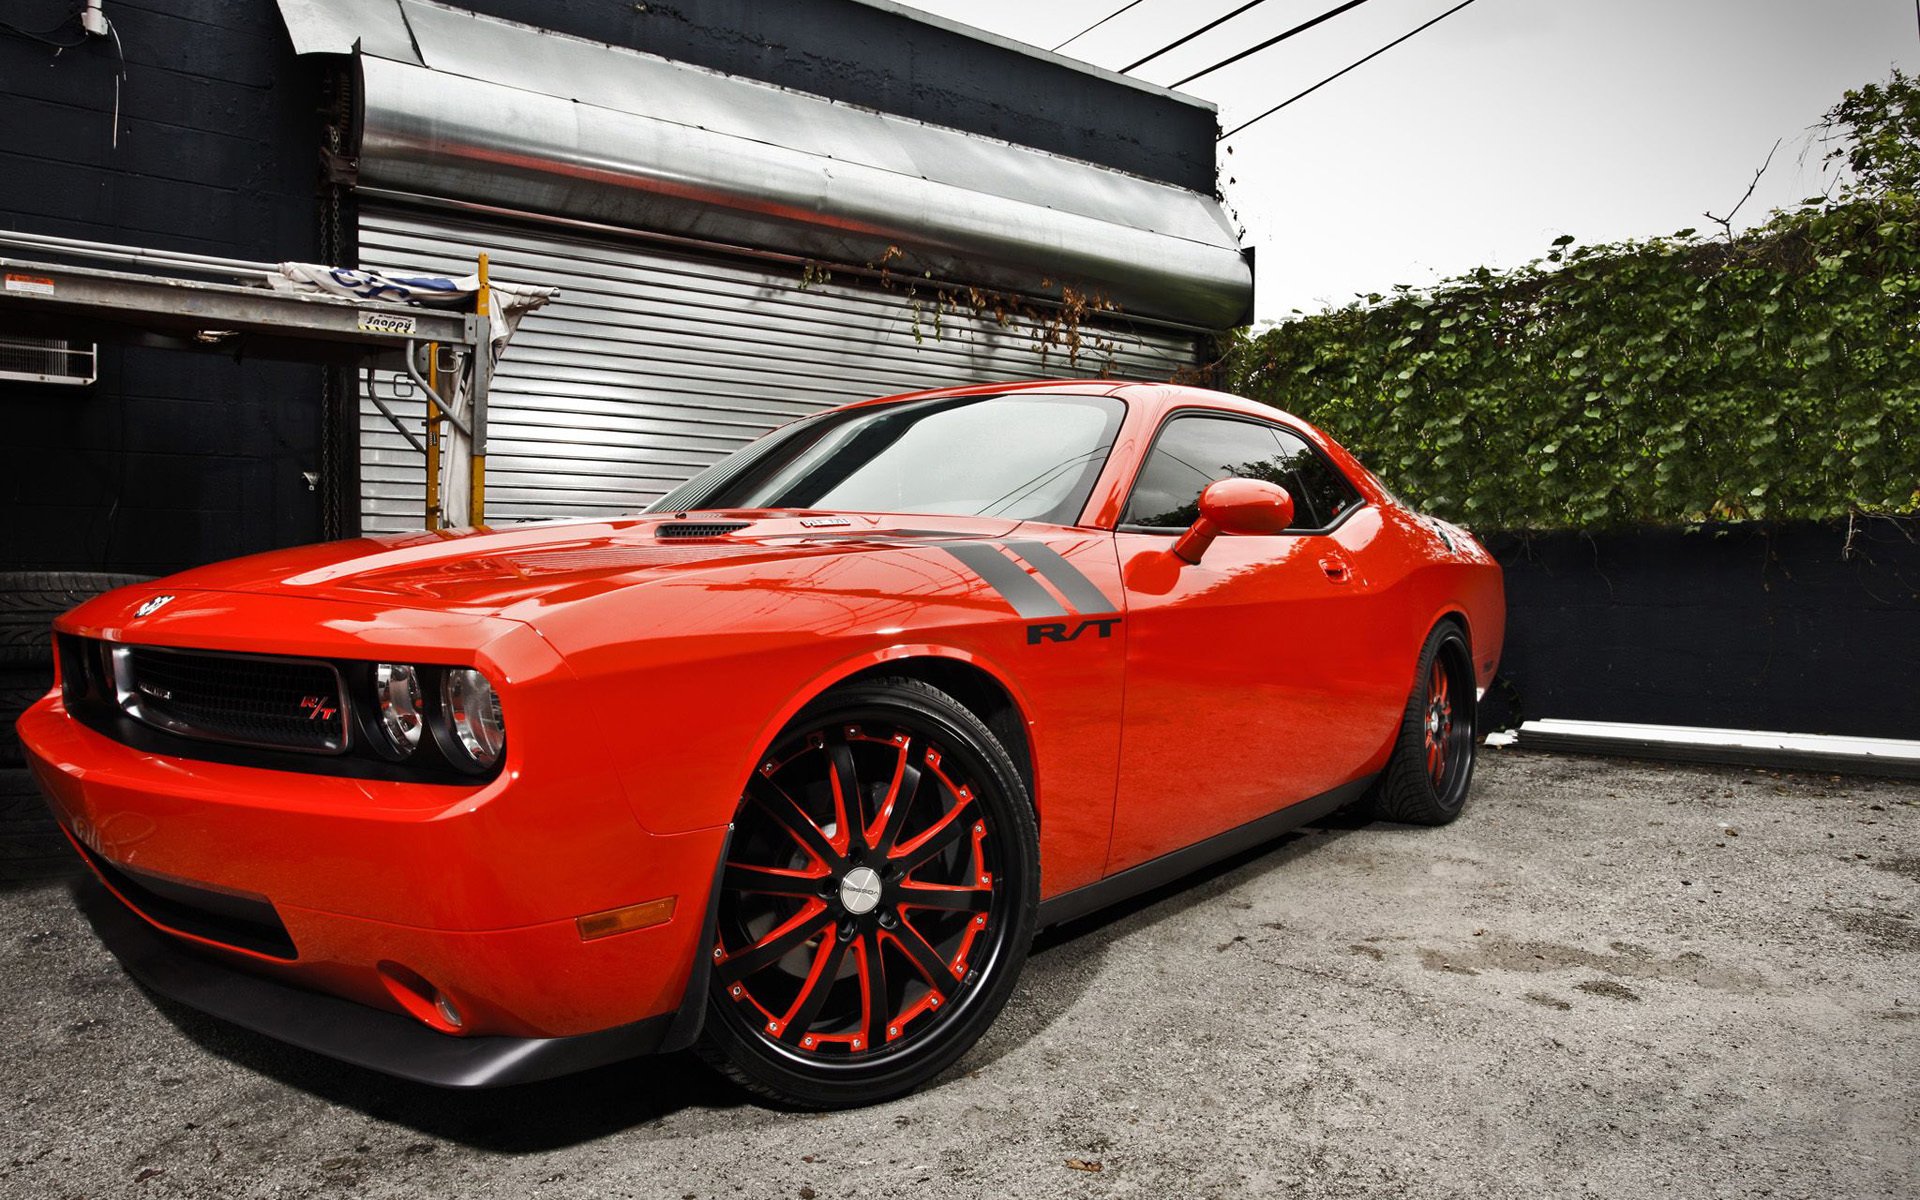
{"points": [[30, 846]]}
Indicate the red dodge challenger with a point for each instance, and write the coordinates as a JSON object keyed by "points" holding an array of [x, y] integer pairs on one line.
{"points": [[789, 768]]}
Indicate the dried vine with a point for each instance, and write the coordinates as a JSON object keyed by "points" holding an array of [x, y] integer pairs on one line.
{"points": [[1052, 327]]}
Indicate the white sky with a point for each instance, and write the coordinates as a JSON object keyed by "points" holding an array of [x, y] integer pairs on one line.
{"points": [[1502, 127]]}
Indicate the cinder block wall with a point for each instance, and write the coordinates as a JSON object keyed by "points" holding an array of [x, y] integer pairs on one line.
{"points": [[170, 459]]}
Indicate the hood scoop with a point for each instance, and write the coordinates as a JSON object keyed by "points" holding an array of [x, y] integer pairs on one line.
{"points": [[676, 531]]}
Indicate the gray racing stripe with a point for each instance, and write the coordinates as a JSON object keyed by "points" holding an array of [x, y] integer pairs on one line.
{"points": [[1004, 575], [1076, 587]]}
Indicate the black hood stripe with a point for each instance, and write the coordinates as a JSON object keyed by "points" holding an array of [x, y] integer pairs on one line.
{"points": [[1005, 576], [1076, 587]]}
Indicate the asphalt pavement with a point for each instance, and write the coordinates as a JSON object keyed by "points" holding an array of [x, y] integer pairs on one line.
{"points": [[1607, 979]]}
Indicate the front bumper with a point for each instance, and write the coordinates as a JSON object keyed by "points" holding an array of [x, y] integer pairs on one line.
{"points": [[303, 897], [353, 1032]]}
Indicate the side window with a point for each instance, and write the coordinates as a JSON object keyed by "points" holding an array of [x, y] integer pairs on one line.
{"points": [[1193, 452], [1321, 494]]}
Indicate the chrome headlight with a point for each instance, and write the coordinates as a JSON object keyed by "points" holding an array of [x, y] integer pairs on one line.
{"points": [[470, 709], [397, 689]]}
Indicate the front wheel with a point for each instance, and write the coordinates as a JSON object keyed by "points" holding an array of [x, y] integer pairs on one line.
{"points": [[877, 901], [1427, 777]]}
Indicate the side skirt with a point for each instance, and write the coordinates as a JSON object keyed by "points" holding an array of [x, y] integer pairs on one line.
{"points": [[1168, 867]]}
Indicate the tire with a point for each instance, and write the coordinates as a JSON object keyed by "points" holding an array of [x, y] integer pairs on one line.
{"points": [[30, 600], [932, 897], [19, 689], [1426, 781], [31, 845]]}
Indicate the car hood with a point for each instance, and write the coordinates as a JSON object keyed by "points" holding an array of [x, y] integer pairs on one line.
{"points": [[517, 571]]}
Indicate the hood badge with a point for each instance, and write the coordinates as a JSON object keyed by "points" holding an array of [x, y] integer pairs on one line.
{"points": [[153, 606], [822, 522]]}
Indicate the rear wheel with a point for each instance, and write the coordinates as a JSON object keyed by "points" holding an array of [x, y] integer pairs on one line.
{"points": [[877, 902], [1427, 779]]}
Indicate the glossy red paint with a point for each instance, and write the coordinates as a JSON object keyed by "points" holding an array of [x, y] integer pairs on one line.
{"points": [[642, 679], [1242, 506]]}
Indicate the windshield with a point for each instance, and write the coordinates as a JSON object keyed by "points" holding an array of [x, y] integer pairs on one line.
{"points": [[1025, 456]]}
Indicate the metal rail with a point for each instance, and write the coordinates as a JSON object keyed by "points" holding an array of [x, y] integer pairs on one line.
{"points": [[198, 314], [213, 313], [137, 255]]}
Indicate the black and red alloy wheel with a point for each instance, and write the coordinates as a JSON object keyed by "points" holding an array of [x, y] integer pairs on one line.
{"points": [[1431, 768], [1441, 752], [877, 897]]}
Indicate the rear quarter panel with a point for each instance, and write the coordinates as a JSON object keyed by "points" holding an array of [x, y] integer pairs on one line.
{"points": [[1454, 577]]}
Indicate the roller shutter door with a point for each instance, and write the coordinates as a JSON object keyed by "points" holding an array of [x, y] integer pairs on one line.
{"points": [[652, 364]]}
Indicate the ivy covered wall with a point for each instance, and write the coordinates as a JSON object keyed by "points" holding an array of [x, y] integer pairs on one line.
{"points": [[1773, 375]]}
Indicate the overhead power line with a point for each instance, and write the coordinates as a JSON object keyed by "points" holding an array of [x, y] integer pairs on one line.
{"points": [[1196, 33], [1337, 74], [45, 36], [1097, 24], [1272, 41]]}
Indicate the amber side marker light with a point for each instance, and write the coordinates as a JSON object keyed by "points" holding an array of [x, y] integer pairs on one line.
{"points": [[625, 920]]}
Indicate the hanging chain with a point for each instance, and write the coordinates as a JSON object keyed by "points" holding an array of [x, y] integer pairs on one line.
{"points": [[338, 390]]}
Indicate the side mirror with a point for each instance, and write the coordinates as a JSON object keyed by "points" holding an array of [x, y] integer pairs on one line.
{"points": [[1236, 506]]}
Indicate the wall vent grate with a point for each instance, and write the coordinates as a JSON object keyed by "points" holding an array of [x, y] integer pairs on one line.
{"points": [[48, 360]]}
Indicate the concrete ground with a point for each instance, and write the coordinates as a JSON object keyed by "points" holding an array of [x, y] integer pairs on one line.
{"points": [[1607, 979]]}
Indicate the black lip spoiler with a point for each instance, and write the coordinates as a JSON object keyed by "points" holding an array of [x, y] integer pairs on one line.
{"points": [[341, 1029]]}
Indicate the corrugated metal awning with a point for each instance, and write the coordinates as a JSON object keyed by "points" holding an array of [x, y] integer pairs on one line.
{"points": [[486, 111]]}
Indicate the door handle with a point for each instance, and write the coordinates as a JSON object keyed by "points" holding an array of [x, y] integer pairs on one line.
{"points": [[1337, 570]]}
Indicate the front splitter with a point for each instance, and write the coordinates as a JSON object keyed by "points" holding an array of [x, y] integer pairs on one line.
{"points": [[342, 1029]]}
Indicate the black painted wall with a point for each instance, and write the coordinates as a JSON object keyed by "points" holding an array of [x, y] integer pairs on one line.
{"points": [[885, 60], [1780, 628], [171, 458]]}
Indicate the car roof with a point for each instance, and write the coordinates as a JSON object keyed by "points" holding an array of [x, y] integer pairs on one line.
{"points": [[1153, 396]]}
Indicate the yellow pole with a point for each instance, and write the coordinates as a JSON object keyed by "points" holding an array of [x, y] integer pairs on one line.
{"points": [[433, 435], [476, 417]]}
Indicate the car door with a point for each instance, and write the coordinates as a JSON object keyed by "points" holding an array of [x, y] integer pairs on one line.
{"points": [[1248, 685]]}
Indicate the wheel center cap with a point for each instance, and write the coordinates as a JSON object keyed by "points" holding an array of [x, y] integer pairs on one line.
{"points": [[860, 890]]}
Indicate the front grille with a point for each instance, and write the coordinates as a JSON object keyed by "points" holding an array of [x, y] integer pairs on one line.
{"points": [[251, 710], [249, 700], [699, 529]]}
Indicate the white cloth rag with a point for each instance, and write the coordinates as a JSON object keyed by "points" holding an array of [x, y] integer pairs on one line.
{"points": [[511, 301]]}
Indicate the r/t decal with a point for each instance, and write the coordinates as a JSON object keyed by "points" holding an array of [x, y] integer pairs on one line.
{"points": [[1061, 631], [318, 708]]}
